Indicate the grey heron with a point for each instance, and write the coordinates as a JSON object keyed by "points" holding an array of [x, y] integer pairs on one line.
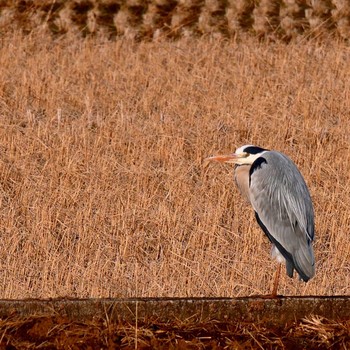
{"points": [[283, 208]]}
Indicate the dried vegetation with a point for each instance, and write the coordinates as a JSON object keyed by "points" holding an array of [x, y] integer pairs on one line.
{"points": [[61, 333], [103, 190], [153, 19]]}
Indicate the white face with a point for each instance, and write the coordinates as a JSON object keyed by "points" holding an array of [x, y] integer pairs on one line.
{"points": [[246, 157], [241, 156], [239, 150]]}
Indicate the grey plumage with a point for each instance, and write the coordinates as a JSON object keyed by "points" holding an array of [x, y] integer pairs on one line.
{"points": [[281, 199], [282, 204]]}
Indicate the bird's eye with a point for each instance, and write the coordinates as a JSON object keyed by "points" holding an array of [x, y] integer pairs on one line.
{"points": [[245, 154]]}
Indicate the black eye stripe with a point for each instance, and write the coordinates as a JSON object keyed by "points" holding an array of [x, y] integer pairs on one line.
{"points": [[254, 149]]}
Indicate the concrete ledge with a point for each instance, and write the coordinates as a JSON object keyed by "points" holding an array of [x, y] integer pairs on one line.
{"points": [[277, 311]]}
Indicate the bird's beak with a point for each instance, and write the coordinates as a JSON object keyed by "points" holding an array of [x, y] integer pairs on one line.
{"points": [[228, 158]]}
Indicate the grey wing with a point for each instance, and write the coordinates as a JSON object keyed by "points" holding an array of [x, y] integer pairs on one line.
{"points": [[283, 206]]}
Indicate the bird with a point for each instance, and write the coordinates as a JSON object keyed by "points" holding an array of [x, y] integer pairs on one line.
{"points": [[283, 208]]}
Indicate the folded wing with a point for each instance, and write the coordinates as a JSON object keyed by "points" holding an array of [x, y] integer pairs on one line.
{"points": [[283, 206]]}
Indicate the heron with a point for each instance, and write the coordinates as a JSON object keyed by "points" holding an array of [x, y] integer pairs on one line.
{"points": [[283, 208]]}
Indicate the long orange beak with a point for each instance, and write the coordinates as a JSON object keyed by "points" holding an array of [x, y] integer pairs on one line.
{"points": [[228, 158]]}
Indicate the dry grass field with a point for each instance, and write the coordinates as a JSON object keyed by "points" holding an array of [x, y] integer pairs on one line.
{"points": [[103, 189]]}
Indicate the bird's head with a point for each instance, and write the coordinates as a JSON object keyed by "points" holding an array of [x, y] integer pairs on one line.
{"points": [[246, 154]]}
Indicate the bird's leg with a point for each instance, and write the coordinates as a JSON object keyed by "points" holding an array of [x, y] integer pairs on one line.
{"points": [[275, 283]]}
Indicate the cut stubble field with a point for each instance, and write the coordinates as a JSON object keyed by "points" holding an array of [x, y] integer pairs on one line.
{"points": [[103, 189]]}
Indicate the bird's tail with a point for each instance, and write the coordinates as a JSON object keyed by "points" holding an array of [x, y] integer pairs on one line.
{"points": [[304, 261]]}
